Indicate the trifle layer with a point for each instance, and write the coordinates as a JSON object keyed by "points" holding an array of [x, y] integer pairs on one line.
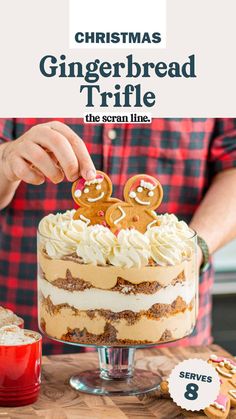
{"points": [[104, 327], [106, 277], [94, 298]]}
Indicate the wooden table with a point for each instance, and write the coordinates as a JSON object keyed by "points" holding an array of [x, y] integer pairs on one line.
{"points": [[59, 401]]}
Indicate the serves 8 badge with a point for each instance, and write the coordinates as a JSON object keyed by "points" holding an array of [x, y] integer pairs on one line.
{"points": [[194, 384]]}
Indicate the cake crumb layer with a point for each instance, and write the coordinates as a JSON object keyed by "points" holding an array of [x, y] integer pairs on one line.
{"points": [[77, 284]]}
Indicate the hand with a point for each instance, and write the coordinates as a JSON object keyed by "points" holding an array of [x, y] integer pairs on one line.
{"points": [[50, 150]]}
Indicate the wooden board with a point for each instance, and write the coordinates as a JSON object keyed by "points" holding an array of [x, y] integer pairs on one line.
{"points": [[59, 401]]}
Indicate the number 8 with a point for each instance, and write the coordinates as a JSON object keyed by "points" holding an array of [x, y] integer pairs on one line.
{"points": [[191, 393]]}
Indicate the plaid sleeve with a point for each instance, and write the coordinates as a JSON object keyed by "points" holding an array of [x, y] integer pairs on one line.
{"points": [[222, 152], [6, 129]]}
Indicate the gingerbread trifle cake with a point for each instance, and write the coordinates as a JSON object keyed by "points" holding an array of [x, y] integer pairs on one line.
{"points": [[109, 284]]}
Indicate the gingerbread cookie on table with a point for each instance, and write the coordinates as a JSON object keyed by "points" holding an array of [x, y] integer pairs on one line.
{"points": [[94, 198], [226, 369], [220, 408], [142, 195]]}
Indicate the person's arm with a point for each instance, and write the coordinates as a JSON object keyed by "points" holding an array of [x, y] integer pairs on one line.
{"points": [[50, 150], [215, 218]]}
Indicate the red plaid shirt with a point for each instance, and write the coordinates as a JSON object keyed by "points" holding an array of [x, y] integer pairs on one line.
{"points": [[184, 154]]}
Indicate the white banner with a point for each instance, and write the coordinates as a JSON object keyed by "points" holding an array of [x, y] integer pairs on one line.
{"points": [[122, 24]]}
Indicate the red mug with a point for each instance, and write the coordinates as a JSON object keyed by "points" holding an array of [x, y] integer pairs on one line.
{"points": [[20, 371]]}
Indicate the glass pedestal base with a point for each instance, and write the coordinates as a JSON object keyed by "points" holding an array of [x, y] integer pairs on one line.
{"points": [[91, 382], [116, 376]]}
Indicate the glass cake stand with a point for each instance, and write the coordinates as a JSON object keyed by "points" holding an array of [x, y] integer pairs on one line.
{"points": [[117, 374]]}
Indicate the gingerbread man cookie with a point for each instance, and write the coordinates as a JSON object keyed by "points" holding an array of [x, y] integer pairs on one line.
{"points": [[142, 194], [94, 198], [226, 369]]}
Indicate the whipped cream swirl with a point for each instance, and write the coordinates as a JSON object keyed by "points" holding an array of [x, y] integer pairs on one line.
{"points": [[61, 234], [132, 250], [96, 245], [13, 335], [8, 317], [169, 242]]}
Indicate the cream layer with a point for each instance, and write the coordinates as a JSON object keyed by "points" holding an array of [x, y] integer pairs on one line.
{"points": [[97, 299], [105, 277], [144, 329]]}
